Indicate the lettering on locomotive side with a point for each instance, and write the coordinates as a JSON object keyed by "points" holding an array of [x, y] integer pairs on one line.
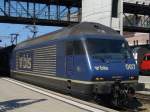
{"points": [[25, 61], [130, 66], [101, 68]]}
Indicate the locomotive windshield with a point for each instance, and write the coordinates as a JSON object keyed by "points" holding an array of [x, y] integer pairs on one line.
{"points": [[109, 47]]}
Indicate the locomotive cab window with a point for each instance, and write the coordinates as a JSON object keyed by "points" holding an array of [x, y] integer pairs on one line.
{"points": [[103, 47], [74, 48], [146, 58]]}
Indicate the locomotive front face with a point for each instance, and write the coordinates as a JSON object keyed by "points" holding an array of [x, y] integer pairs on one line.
{"points": [[110, 59]]}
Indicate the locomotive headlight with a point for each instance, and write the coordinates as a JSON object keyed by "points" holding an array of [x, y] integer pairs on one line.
{"points": [[131, 77], [99, 78]]}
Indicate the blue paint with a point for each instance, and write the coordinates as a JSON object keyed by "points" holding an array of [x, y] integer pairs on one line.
{"points": [[115, 69], [77, 66], [60, 60], [81, 69]]}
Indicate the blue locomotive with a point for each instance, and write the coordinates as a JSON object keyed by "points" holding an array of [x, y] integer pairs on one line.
{"points": [[84, 59]]}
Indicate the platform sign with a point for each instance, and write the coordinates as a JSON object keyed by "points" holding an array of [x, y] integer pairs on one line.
{"points": [[25, 60], [144, 79]]}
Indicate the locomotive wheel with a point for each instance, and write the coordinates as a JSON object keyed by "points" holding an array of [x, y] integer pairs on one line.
{"points": [[119, 94], [69, 84], [132, 102]]}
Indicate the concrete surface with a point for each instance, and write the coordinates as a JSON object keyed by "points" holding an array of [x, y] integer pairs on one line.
{"points": [[14, 98]]}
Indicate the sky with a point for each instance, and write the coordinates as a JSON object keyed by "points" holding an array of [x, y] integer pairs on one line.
{"points": [[22, 30]]}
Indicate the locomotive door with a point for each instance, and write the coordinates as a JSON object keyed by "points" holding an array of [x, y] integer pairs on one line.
{"points": [[69, 59]]}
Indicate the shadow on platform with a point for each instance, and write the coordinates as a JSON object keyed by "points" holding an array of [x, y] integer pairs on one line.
{"points": [[17, 103]]}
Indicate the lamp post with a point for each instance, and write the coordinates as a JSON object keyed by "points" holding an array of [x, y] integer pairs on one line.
{"points": [[0, 46]]}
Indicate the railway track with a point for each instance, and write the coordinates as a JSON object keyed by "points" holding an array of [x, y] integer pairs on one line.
{"points": [[143, 97], [145, 100]]}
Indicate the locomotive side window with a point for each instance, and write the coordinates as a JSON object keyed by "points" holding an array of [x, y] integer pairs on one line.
{"points": [[74, 48], [78, 48], [69, 48]]}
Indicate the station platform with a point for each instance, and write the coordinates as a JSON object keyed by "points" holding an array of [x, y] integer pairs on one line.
{"points": [[144, 93], [16, 96]]}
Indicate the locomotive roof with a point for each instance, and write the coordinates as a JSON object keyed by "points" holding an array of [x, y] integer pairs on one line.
{"points": [[147, 54], [83, 28]]}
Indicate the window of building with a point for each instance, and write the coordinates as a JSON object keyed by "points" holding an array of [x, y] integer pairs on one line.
{"points": [[134, 42], [147, 41], [114, 8], [137, 42]]}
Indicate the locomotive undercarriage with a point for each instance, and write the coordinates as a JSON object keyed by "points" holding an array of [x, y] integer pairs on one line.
{"points": [[116, 94], [119, 95]]}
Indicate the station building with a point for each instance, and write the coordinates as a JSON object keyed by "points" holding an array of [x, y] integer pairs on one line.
{"points": [[110, 13]]}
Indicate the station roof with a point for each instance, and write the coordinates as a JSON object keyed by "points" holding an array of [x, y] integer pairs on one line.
{"points": [[133, 8], [71, 3], [136, 29]]}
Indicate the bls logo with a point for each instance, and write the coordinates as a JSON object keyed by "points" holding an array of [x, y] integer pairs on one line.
{"points": [[130, 66], [25, 61]]}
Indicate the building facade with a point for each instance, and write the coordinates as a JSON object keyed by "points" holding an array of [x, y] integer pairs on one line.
{"points": [[106, 12]]}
